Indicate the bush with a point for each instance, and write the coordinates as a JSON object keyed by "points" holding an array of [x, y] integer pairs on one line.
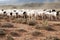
{"points": [[6, 17], [52, 38], [36, 33], [2, 32], [56, 24], [9, 38], [14, 34], [18, 20], [24, 21], [22, 30], [46, 26], [7, 25], [1, 17], [49, 28], [45, 22], [55, 38], [8, 20], [13, 21], [38, 26], [32, 22], [0, 24], [12, 17]]}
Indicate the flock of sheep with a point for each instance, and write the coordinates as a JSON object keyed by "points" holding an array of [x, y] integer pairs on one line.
{"points": [[30, 12]]}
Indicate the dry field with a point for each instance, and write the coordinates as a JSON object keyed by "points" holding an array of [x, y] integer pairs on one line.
{"points": [[12, 28]]}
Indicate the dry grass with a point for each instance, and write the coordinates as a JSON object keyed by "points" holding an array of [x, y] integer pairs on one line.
{"points": [[20, 20], [15, 34], [17, 20], [49, 28], [2, 32], [36, 33], [45, 26], [10, 38], [1, 17], [22, 30], [7, 25], [32, 22], [39, 27], [52, 38]]}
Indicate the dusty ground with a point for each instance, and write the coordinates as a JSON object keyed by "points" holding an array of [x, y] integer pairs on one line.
{"points": [[28, 35]]}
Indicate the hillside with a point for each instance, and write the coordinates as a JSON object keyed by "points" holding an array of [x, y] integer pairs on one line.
{"points": [[43, 5], [34, 5]]}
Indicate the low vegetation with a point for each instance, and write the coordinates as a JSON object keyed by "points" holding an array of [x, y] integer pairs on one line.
{"points": [[39, 27], [56, 24], [18, 20], [46, 26], [42, 27], [1, 17], [22, 30], [10, 38], [14, 34], [0, 24], [32, 22], [36, 33], [7, 25], [2, 32], [52, 38], [24, 21], [49, 28]]}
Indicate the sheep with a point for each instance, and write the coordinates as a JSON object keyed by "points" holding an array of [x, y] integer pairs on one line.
{"points": [[8, 11], [11, 14], [58, 14], [20, 13], [30, 12], [25, 15], [51, 14], [1, 12], [4, 13]]}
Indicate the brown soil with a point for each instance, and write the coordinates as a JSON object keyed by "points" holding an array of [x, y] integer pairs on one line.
{"points": [[27, 35]]}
